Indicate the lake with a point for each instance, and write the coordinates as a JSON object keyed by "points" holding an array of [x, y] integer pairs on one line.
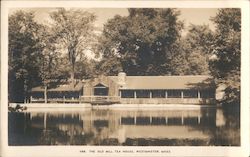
{"points": [[206, 126]]}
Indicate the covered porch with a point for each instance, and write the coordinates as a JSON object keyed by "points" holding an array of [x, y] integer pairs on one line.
{"points": [[99, 99]]}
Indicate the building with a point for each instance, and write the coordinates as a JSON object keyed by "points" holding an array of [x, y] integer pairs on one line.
{"points": [[64, 93], [148, 90], [99, 126]]}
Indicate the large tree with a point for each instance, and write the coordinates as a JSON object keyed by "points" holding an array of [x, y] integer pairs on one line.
{"points": [[141, 42], [200, 37], [193, 51], [74, 30], [225, 65], [52, 67], [24, 54]]}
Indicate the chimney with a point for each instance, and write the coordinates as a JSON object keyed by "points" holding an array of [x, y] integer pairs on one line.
{"points": [[122, 79]]}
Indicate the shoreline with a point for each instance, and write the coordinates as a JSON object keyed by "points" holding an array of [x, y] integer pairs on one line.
{"points": [[113, 106]]}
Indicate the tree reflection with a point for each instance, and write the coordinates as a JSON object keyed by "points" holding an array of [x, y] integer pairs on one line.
{"points": [[229, 134], [175, 127]]}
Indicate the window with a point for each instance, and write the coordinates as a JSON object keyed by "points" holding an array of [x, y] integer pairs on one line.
{"points": [[190, 93], [127, 93], [158, 94], [143, 94], [37, 95], [101, 90], [63, 94], [174, 93], [54, 94]]}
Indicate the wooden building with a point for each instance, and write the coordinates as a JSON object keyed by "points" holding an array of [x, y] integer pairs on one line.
{"points": [[64, 93], [150, 89], [135, 90]]}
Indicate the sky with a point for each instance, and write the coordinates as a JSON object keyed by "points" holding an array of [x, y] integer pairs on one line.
{"points": [[196, 16]]}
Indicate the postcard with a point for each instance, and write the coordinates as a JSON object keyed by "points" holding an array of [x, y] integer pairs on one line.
{"points": [[124, 78]]}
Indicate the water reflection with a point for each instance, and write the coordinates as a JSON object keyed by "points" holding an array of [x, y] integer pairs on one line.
{"points": [[175, 127]]}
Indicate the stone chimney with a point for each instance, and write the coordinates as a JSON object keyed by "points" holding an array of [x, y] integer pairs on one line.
{"points": [[122, 79]]}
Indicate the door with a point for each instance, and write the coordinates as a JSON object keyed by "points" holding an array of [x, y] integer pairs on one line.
{"points": [[100, 90]]}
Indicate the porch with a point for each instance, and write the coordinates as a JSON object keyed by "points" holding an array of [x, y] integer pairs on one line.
{"points": [[99, 99]]}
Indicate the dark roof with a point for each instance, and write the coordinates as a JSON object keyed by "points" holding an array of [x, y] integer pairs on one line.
{"points": [[166, 82], [60, 88]]}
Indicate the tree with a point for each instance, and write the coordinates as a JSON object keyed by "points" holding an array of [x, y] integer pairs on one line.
{"points": [[142, 41], [109, 66], [194, 51], [197, 63], [74, 31], [24, 55], [52, 68], [179, 62], [225, 66], [200, 37], [85, 68]]}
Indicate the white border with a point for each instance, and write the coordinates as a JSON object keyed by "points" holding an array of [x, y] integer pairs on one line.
{"points": [[37, 151]]}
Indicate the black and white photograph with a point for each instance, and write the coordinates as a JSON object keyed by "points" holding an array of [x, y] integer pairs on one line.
{"points": [[124, 77]]}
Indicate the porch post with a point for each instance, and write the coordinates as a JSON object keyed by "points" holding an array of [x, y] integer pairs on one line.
{"points": [[166, 94], [135, 95], [45, 121], [182, 94], [199, 94], [150, 94], [199, 119], [182, 120]]}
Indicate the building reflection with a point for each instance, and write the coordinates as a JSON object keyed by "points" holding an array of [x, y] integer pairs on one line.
{"points": [[120, 127]]}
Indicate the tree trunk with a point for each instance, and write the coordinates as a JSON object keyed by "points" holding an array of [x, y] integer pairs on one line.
{"points": [[45, 94], [72, 76]]}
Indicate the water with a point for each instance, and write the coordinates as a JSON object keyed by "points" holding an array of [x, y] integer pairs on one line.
{"points": [[127, 127]]}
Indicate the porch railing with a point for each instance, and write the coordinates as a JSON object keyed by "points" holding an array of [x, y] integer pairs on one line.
{"points": [[100, 99], [55, 100]]}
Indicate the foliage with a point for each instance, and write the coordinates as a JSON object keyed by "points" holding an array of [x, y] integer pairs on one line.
{"points": [[51, 68], [193, 52], [16, 108], [73, 30], [37, 51], [200, 37], [142, 41], [146, 42], [51, 61], [199, 43], [226, 66], [24, 54], [85, 68], [109, 65]]}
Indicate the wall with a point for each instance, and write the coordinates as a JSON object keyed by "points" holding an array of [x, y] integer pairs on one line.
{"points": [[166, 101]]}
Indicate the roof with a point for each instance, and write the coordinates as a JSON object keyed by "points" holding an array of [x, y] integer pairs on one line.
{"points": [[166, 82], [60, 88], [148, 82]]}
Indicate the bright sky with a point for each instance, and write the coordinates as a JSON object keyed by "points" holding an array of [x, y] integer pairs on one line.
{"points": [[194, 16]]}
